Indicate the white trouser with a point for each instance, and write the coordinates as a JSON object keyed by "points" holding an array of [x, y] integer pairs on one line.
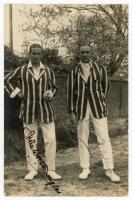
{"points": [[101, 129], [48, 131]]}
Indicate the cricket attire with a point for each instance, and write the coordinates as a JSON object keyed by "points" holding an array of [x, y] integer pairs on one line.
{"points": [[35, 110], [87, 88]]}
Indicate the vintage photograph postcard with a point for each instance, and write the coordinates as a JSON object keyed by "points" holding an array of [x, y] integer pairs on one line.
{"points": [[66, 100]]}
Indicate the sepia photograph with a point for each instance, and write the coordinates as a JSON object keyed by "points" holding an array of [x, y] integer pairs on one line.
{"points": [[66, 100]]}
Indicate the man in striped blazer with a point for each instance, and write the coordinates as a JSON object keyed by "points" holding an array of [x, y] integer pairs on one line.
{"points": [[35, 84], [87, 88]]}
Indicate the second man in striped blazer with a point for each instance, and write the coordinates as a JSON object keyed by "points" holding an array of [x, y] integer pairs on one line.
{"points": [[87, 88]]}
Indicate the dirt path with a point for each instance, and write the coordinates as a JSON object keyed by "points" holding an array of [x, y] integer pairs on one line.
{"points": [[67, 165]]}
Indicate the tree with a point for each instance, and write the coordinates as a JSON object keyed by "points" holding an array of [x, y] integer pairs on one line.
{"points": [[105, 29], [43, 24]]}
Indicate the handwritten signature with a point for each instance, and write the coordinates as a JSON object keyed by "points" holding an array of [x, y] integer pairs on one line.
{"points": [[44, 166], [29, 135]]}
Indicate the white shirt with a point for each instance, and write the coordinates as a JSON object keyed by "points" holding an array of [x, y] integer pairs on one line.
{"points": [[36, 70], [86, 70]]}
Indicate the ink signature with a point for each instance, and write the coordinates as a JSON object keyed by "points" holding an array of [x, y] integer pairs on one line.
{"points": [[29, 136], [44, 166], [73, 126]]}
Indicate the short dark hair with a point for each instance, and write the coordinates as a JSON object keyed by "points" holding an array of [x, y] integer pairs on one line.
{"points": [[35, 46], [85, 47]]}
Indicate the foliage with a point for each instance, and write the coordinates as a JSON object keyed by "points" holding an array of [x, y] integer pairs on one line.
{"points": [[11, 61], [51, 56], [105, 30], [103, 27], [43, 24]]}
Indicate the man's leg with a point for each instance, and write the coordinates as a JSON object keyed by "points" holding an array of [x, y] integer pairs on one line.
{"points": [[48, 131], [84, 155], [83, 136], [101, 128], [30, 135]]}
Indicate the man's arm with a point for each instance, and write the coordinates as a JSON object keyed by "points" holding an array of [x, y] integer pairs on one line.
{"points": [[11, 83], [51, 89], [70, 85], [70, 90], [105, 82], [53, 83]]}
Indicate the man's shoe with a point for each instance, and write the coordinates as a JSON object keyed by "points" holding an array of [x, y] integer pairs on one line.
{"points": [[84, 174], [30, 175], [113, 176], [54, 175]]}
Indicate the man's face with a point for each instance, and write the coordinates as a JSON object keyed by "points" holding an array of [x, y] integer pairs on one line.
{"points": [[85, 54], [35, 55]]}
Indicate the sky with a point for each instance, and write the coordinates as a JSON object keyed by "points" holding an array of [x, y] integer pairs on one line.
{"points": [[18, 19]]}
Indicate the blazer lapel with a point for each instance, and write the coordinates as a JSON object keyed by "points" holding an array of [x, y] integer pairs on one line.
{"points": [[81, 74], [42, 71], [30, 70], [93, 71]]}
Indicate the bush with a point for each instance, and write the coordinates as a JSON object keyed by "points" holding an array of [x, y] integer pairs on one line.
{"points": [[11, 61], [50, 56]]}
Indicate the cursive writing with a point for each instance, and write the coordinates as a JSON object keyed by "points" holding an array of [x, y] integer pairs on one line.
{"points": [[29, 137]]}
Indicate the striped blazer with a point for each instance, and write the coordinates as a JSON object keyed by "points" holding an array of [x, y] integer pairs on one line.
{"points": [[94, 90], [33, 90]]}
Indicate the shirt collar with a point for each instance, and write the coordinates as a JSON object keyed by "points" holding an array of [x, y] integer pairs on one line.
{"points": [[40, 67], [81, 64], [90, 63]]}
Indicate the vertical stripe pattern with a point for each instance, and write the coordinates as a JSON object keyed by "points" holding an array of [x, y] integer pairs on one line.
{"points": [[28, 98], [94, 90], [33, 108], [33, 91]]}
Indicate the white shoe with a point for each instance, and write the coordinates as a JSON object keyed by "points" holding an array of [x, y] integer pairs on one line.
{"points": [[54, 175], [84, 174], [30, 175], [113, 176]]}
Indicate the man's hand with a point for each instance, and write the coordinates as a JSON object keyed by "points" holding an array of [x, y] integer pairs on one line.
{"points": [[20, 95], [48, 96], [73, 117]]}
